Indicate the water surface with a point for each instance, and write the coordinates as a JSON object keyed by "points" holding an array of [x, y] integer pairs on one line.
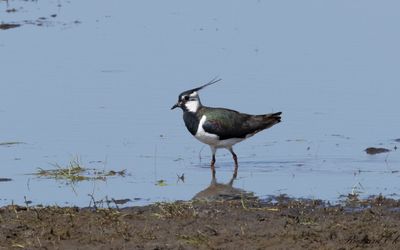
{"points": [[97, 80]]}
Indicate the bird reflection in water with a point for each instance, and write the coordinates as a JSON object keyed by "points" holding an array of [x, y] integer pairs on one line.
{"points": [[223, 192]]}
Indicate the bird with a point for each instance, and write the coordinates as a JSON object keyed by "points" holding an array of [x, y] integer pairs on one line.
{"points": [[220, 127]]}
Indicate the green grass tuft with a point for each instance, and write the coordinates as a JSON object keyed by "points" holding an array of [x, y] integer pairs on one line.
{"points": [[75, 172]]}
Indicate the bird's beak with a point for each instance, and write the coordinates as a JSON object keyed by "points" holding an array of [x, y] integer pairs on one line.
{"points": [[175, 106]]}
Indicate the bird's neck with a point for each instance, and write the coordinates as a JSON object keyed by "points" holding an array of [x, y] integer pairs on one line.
{"points": [[191, 121], [193, 106]]}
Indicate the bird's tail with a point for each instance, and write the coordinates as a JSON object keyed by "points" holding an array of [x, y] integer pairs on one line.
{"points": [[269, 120]]}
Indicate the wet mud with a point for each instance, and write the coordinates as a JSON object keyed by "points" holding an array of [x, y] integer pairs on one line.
{"points": [[279, 223]]}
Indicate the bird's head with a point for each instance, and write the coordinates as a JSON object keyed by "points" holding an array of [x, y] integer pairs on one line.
{"points": [[189, 100]]}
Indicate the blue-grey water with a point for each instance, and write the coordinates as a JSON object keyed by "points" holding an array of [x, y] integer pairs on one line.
{"points": [[96, 81]]}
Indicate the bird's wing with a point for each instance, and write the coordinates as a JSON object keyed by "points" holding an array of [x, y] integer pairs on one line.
{"points": [[226, 123]]}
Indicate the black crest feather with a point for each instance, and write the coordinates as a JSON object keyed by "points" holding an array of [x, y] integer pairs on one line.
{"points": [[214, 80]]}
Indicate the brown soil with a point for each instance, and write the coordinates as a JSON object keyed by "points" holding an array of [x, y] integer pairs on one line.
{"points": [[238, 224]]}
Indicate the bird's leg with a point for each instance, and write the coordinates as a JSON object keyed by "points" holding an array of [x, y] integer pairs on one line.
{"points": [[230, 183], [212, 164], [236, 163]]}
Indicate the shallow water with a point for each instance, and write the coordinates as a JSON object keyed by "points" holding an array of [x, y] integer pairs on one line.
{"points": [[97, 82]]}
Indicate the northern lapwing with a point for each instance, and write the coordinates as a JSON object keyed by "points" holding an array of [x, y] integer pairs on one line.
{"points": [[220, 127]]}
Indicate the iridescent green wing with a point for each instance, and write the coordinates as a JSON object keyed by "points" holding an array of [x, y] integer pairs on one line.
{"points": [[226, 123]]}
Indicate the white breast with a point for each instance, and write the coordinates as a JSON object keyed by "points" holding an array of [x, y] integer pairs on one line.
{"points": [[205, 137], [213, 140]]}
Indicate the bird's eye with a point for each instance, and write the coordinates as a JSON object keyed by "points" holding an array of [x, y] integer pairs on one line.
{"points": [[186, 98]]}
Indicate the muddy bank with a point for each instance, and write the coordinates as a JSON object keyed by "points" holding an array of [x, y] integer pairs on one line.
{"points": [[239, 224]]}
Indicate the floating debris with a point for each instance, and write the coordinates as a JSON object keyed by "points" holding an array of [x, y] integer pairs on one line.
{"points": [[10, 143], [340, 136], [11, 10], [295, 140], [374, 151], [5, 179], [113, 173], [40, 22], [6, 26], [95, 162], [161, 183]]}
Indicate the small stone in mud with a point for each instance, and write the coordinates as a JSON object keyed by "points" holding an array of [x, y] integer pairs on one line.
{"points": [[373, 151]]}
